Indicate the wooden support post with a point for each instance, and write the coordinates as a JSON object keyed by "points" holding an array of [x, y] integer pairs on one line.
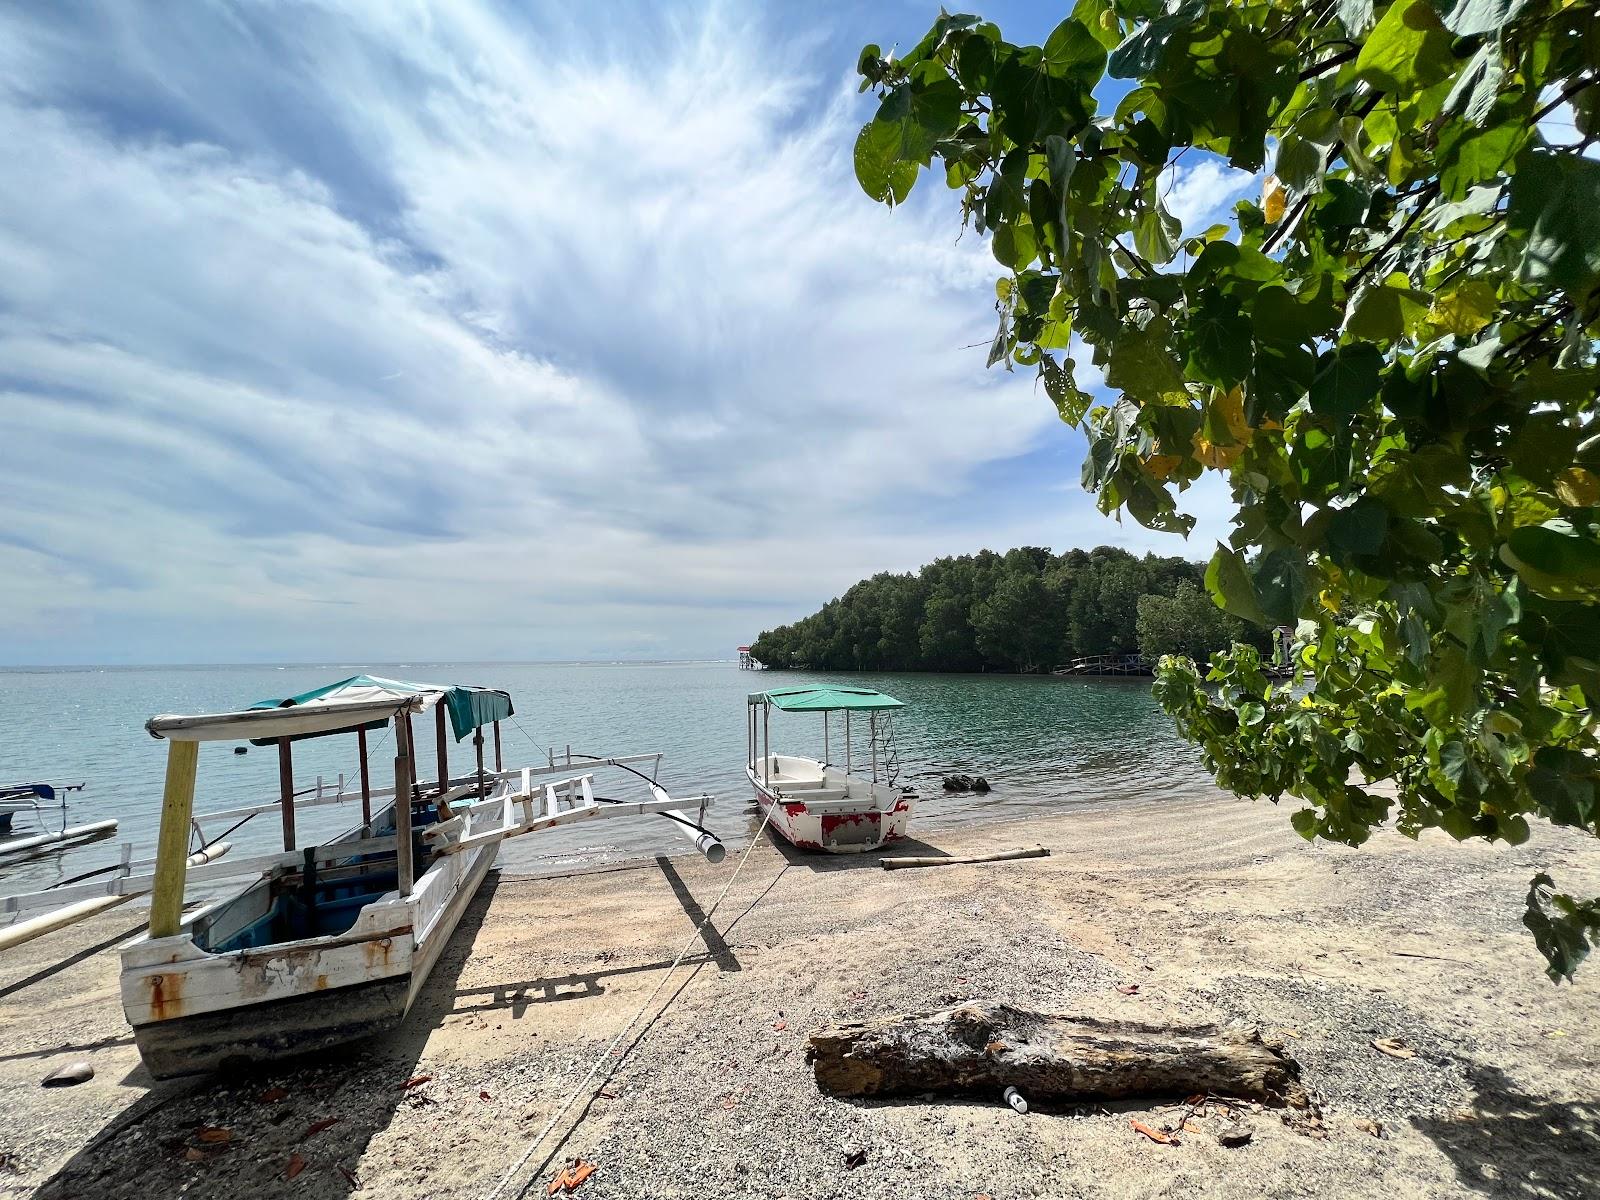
{"points": [[499, 762], [411, 759], [443, 743], [477, 744], [403, 848], [847, 741], [366, 781], [172, 845], [286, 791]]}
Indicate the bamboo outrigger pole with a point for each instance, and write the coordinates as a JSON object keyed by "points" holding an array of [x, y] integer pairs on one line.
{"points": [[172, 845]]}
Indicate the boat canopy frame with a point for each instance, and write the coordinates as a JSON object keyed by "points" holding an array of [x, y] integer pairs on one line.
{"points": [[352, 705], [824, 699]]}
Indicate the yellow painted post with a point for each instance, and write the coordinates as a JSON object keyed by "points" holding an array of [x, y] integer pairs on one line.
{"points": [[172, 845]]}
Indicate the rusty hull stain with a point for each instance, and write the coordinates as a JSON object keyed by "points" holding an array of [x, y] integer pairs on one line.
{"points": [[166, 996]]}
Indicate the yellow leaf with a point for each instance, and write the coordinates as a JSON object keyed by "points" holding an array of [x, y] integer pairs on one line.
{"points": [[1274, 199], [1578, 488], [1464, 310], [1231, 407], [1217, 457], [1161, 465]]}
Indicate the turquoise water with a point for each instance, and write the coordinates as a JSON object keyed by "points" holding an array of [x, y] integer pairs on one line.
{"points": [[1040, 741]]}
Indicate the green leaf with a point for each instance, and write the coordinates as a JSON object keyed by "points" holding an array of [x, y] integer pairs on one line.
{"points": [[1099, 18], [1299, 164], [880, 170], [1478, 86], [1279, 580], [1356, 16], [1470, 17], [1155, 234], [1219, 343], [1385, 312], [1071, 402], [1561, 927], [1042, 91], [1229, 583], [1142, 366], [1146, 46], [1468, 155], [1358, 530], [1555, 560], [1407, 50], [1555, 199], [1347, 380]]}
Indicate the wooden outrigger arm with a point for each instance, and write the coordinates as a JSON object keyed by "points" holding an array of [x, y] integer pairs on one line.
{"points": [[533, 807]]}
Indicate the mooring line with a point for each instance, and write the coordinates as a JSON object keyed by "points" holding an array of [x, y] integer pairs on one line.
{"points": [[633, 1020]]}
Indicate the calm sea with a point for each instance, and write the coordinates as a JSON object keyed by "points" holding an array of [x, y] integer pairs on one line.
{"points": [[1040, 742]]}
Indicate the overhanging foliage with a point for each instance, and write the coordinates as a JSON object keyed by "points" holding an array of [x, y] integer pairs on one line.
{"points": [[1390, 356]]}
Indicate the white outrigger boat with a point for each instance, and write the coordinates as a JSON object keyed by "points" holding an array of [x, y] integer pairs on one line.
{"points": [[334, 942], [813, 803]]}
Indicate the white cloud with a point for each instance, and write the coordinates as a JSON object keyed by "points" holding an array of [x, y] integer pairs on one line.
{"points": [[1202, 193], [506, 339]]}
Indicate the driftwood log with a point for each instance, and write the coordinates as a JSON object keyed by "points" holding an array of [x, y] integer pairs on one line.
{"points": [[901, 864], [984, 1047]]}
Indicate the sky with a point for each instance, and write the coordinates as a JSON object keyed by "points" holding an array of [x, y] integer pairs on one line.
{"points": [[390, 331]]}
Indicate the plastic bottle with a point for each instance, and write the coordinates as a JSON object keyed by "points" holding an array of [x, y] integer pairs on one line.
{"points": [[1014, 1098]]}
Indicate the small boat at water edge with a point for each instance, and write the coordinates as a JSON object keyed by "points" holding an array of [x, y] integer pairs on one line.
{"points": [[814, 803], [39, 799], [334, 942]]}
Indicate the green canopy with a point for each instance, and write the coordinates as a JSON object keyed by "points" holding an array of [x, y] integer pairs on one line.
{"points": [[469, 706], [824, 699]]}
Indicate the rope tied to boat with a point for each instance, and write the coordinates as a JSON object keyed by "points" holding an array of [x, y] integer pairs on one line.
{"points": [[611, 1049]]}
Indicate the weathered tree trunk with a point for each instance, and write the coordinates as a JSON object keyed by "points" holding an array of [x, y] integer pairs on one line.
{"points": [[985, 1047]]}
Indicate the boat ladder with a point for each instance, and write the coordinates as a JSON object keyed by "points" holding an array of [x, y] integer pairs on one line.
{"points": [[883, 736]]}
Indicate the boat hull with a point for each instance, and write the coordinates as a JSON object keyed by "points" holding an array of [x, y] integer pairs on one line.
{"points": [[193, 1011], [830, 827], [257, 1033]]}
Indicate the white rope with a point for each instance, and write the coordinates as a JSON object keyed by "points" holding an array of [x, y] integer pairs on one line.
{"points": [[623, 1032]]}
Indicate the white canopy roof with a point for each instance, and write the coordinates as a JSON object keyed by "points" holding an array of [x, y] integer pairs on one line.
{"points": [[321, 717]]}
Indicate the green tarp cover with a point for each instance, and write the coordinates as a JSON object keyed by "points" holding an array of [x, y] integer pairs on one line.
{"points": [[469, 706], [824, 699]]}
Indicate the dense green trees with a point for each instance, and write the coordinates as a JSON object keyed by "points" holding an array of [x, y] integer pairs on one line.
{"points": [[1025, 610], [1389, 354]]}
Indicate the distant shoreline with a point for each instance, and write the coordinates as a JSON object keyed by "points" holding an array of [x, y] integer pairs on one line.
{"points": [[314, 665]]}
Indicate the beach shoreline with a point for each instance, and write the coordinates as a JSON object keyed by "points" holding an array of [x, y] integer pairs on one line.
{"points": [[1212, 906]]}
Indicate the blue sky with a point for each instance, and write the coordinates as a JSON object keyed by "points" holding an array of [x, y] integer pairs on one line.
{"points": [[385, 331]]}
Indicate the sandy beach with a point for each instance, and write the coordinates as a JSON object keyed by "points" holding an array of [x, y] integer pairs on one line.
{"points": [[1211, 906]]}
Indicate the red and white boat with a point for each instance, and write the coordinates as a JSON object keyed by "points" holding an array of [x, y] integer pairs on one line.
{"points": [[815, 803]]}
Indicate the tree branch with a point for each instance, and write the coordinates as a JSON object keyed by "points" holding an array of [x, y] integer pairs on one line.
{"points": [[1424, 198], [1328, 64]]}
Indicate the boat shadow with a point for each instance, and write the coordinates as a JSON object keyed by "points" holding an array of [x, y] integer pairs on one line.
{"points": [[823, 863], [249, 1131], [517, 997]]}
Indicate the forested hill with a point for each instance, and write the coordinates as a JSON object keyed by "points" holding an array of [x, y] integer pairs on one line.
{"points": [[1024, 610]]}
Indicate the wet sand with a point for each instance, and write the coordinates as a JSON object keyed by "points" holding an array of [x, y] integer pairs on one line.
{"points": [[1212, 906]]}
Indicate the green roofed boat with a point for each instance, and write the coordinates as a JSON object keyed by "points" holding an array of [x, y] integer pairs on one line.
{"points": [[817, 804], [333, 942]]}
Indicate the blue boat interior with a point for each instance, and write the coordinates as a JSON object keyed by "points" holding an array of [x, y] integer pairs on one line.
{"points": [[305, 906]]}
